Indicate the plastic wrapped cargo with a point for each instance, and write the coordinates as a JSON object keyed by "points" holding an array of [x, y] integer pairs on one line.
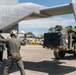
{"points": [[55, 40]]}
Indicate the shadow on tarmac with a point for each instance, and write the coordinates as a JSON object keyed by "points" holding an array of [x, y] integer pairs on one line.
{"points": [[51, 67]]}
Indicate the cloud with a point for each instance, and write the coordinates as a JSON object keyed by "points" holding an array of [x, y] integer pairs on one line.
{"points": [[46, 22], [40, 26]]}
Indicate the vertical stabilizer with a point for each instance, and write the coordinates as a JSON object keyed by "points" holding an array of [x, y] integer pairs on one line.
{"points": [[74, 8]]}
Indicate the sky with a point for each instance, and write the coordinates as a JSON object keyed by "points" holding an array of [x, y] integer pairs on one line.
{"points": [[41, 26]]}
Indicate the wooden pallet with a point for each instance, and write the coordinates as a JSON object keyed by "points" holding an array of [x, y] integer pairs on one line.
{"points": [[56, 47]]}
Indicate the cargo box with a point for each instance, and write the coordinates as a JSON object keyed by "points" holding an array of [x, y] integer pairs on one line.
{"points": [[55, 40]]}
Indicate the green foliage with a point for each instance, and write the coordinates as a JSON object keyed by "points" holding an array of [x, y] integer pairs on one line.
{"points": [[58, 28], [52, 29], [69, 26], [30, 33], [74, 26]]}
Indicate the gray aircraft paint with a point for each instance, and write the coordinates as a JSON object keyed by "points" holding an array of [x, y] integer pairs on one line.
{"points": [[74, 8], [11, 12], [11, 15], [8, 2]]}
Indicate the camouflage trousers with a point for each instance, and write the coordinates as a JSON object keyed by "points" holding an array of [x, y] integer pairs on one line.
{"points": [[14, 57], [75, 47]]}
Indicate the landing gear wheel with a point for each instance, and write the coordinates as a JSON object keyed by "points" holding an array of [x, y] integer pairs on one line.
{"points": [[59, 54]]}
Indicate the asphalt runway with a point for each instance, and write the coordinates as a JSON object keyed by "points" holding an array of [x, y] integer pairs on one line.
{"points": [[41, 61]]}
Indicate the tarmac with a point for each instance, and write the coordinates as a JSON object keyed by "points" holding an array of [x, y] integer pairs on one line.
{"points": [[41, 61]]}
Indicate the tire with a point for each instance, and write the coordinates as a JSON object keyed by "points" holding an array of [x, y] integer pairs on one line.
{"points": [[74, 50], [75, 54], [59, 54]]}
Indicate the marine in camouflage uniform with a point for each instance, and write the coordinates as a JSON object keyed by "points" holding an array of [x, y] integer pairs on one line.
{"points": [[14, 45], [1, 49], [71, 38]]}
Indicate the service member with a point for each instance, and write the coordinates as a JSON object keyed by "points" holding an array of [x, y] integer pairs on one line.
{"points": [[14, 45], [1, 48], [71, 37]]}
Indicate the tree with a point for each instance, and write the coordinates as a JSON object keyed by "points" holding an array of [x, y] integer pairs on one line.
{"points": [[74, 26], [58, 28], [69, 26], [52, 29], [30, 34]]}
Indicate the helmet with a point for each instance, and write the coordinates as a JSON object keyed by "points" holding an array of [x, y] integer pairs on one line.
{"points": [[14, 32]]}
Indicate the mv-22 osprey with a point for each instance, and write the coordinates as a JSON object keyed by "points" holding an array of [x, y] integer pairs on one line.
{"points": [[12, 12]]}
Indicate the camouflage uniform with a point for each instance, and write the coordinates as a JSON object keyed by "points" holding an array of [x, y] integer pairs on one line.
{"points": [[14, 45], [71, 39], [1, 49]]}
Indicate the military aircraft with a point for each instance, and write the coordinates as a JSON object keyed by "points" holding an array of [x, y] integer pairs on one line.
{"points": [[11, 12]]}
